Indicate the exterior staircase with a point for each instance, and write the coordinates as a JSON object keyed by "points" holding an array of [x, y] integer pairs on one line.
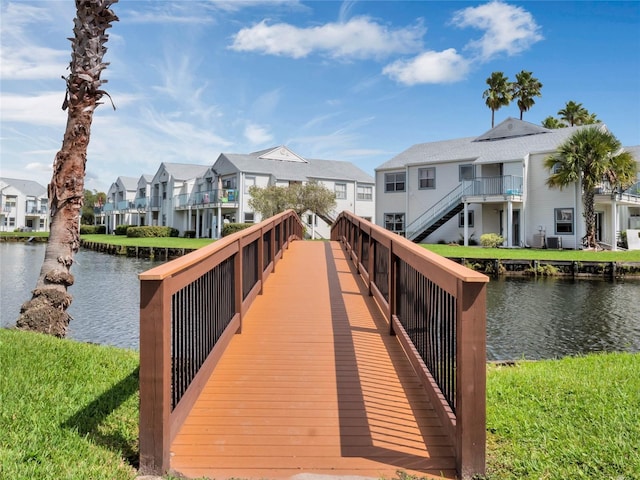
{"points": [[439, 214]]}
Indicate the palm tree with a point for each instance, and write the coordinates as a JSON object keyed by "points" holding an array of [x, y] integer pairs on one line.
{"points": [[46, 311], [553, 122], [589, 156], [574, 114], [498, 94], [525, 88]]}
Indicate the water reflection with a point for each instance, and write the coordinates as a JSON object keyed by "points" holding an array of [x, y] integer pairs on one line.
{"points": [[542, 318], [551, 317], [106, 293]]}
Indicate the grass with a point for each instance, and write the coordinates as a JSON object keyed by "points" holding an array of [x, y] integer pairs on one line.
{"points": [[69, 410], [158, 242], [570, 418], [453, 251], [24, 234]]}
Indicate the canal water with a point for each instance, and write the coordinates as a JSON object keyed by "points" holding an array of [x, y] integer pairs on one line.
{"points": [[526, 318]]}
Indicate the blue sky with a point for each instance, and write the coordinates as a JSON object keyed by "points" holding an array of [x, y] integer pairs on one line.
{"points": [[354, 80]]}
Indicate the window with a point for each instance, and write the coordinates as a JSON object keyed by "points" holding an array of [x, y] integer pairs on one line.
{"points": [[556, 167], [466, 172], [41, 223], [470, 218], [427, 178], [340, 190], [394, 222], [164, 190], [394, 182], [310, 220], [248, 183], [563, 221], [365, 192], [10, 202], [248, 217], [12, 221]]}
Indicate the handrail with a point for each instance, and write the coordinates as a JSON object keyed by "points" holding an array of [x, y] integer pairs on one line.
{"points": [[190, 309], [435, 212], [437, 308], [479, 186]]}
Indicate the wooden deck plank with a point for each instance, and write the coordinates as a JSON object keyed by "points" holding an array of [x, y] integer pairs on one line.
{"points": [[314, 384]]}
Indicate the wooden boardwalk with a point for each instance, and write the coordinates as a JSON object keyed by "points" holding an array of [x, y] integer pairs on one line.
{"points": [[313, 385]]}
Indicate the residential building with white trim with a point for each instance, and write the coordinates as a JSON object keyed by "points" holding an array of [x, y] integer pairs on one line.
{"points": [[24, 204], [451, 190]]}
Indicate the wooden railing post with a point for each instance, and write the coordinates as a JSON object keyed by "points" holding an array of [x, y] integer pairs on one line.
{"points": [[237, 278], [155, 377], [471, 379]]}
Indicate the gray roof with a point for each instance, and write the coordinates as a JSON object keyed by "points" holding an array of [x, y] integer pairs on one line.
{"points": [[297, 171], [28, 187], [510, 140], [184, 171], [129, 183]]}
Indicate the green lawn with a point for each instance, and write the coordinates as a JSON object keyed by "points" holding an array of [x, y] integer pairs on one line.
{"points": [[70, 411], [67, 410], [160, 242], [562, 419], [453, 251]]}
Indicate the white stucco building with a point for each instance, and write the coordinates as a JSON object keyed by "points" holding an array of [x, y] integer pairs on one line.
{"points": [[24, 205], [499, 180]]}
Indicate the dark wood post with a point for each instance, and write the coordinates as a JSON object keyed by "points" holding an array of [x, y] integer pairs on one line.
{"points": [[155, 377], [471, 375]]}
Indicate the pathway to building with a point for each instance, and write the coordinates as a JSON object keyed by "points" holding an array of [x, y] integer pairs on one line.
{"points": [[313, 385]]}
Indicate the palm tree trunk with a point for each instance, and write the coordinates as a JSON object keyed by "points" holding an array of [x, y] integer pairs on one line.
{"points": [[46, 311], [588, 196]]}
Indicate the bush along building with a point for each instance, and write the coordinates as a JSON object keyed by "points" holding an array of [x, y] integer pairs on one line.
{"points": [[457, 190]]}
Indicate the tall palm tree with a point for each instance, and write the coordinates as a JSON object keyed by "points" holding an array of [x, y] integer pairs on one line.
{"points": [[498, 94], [525, 88], [574, 114], [589, 156], [46, 311]]}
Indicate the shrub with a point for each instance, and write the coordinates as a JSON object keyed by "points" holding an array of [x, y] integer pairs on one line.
{"points": [[230, 228], [491, 240], [121, 229], [189, 234], [148, 231], [88, 229], [101, 229]]}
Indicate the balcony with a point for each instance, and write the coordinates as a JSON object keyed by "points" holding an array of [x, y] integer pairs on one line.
{"points": [[227, 197], [493, 188]]}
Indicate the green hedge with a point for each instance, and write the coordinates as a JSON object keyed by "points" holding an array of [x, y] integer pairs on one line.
{"points": [[93, 229], [122, 229], [142, 232], [230, 228], [189, 234]]}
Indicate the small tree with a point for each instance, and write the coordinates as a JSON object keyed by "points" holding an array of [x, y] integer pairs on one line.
{"points": [[311, 196], [46, 312]]}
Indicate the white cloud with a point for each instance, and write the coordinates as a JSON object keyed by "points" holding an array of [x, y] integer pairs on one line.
{"points": [[429, 67], [508, 29], [44, 109], [257, 134], [359, 37]]}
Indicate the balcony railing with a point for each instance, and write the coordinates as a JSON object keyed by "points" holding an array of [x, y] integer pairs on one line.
{"points": [[207, 198], [488, 186], [30, 210]]}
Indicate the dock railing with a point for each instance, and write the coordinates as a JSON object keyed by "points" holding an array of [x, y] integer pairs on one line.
{"points": [[190, 308], [437, 308]]}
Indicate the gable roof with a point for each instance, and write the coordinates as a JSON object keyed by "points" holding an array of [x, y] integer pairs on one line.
{"points": [[28, 187], [300, 169], [183, 171], [500, 144], [129, 183]]}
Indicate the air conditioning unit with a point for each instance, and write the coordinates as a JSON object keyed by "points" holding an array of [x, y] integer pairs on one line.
{"points": [[538, 240], [554, 243]]}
